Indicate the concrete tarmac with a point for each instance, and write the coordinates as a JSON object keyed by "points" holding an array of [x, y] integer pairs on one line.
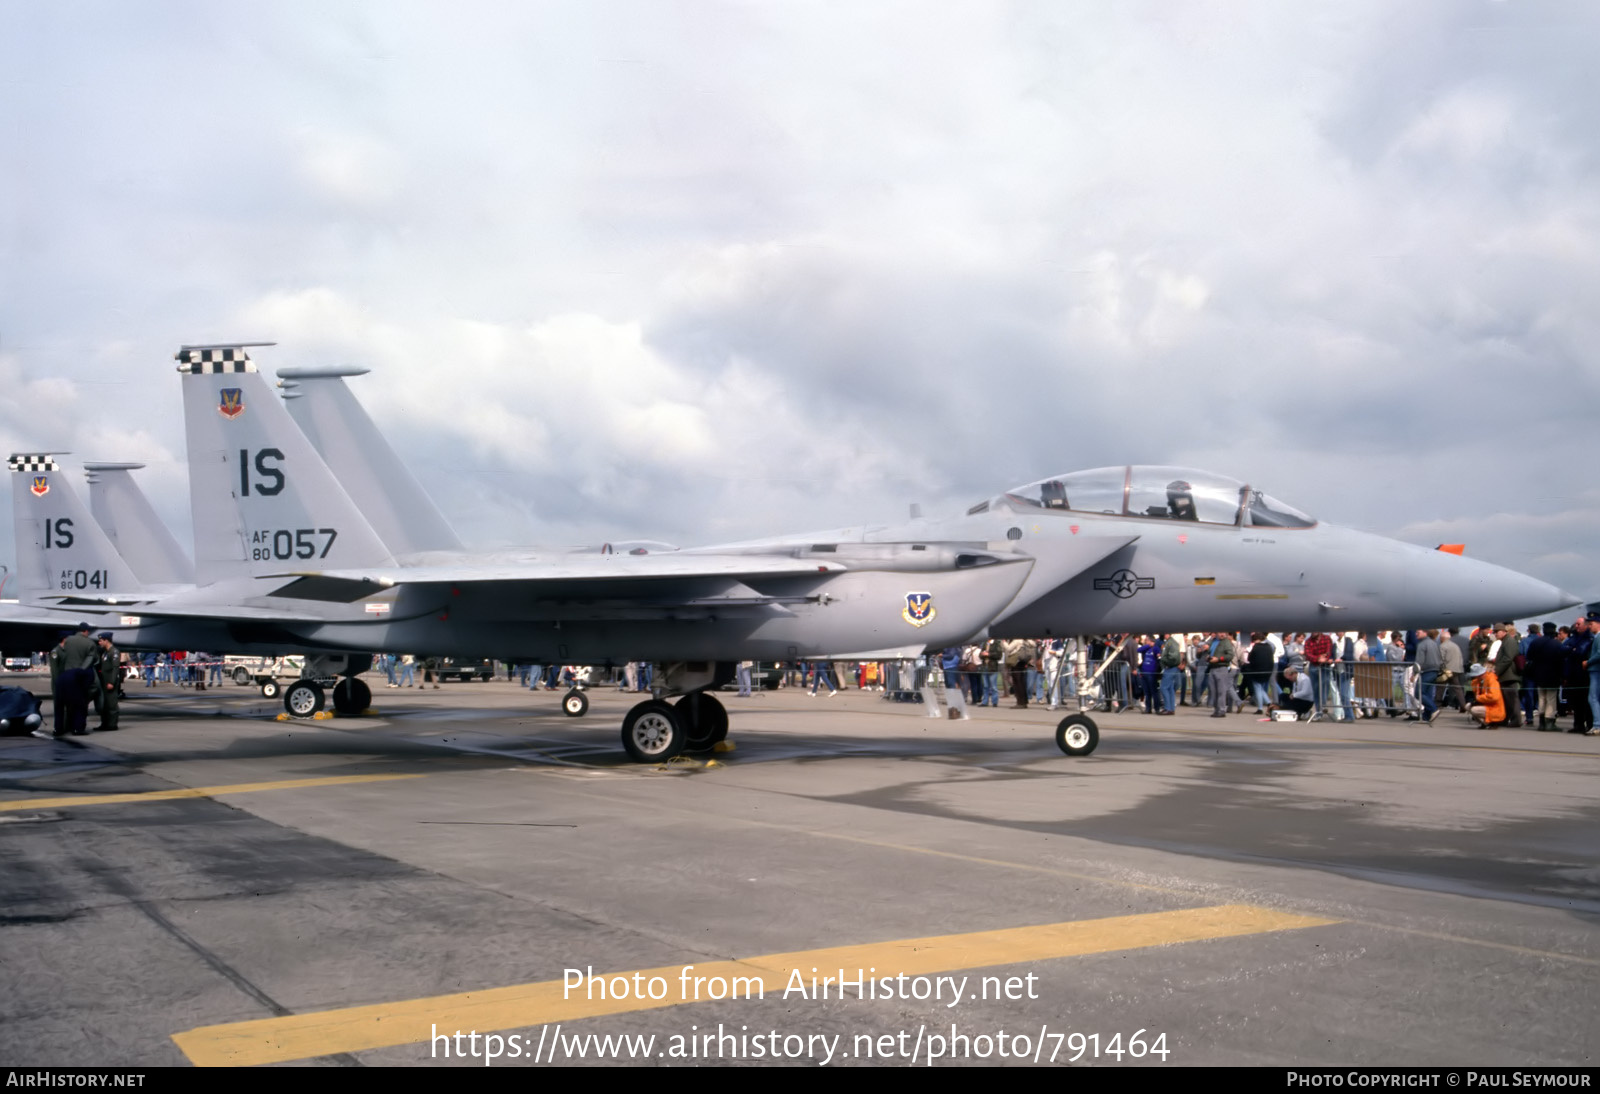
{"points": [[211, 885]]}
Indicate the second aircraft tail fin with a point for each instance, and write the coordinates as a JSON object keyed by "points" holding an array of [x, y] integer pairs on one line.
{"points": [[264, 502]]}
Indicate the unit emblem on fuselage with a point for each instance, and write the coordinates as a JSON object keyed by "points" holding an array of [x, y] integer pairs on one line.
{"points": [[919, 610]]}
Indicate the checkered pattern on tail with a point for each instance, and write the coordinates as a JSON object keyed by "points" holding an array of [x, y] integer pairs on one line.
{"points": [[214, 360], [32, 461]]}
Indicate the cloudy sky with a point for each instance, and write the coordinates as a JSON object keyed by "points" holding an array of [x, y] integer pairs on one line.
{"points": [[696, 271]]}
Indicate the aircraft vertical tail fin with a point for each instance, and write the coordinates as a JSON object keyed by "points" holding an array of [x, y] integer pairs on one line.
{"points": [[61, 551], [129, 521], [264, 501], [392, 500]]}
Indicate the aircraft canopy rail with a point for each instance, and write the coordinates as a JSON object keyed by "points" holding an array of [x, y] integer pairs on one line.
{"points": [[1155, 492]]}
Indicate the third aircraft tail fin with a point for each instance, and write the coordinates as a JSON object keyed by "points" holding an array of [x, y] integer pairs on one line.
{"points": [[62, 554]]}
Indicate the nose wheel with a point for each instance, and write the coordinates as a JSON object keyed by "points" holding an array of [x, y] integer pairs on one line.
{"points": [[1077, 735]]}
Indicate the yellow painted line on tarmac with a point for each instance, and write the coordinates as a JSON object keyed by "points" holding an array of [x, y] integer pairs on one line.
{"points": [[194, 792], [412, 1021]]}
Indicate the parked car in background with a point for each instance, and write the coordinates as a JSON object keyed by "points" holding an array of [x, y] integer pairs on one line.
{"points": [[464, 670]]}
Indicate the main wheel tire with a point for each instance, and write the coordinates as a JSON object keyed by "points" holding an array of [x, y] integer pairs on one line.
{"points": [[652, 733], [574, 704], [241, 675], [704, 718], [1077, 735], [303, 698], [270, 689], [351, 696]]}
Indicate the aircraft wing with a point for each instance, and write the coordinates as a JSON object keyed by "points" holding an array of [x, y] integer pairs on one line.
{"points": [[580, 568], [28, 629]]}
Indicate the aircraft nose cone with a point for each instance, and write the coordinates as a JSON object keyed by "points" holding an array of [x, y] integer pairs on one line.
{"points": [[1480, 592]]}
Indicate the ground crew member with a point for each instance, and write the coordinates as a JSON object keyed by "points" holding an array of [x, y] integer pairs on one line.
{"points": [[78, 656], [108, 672]]}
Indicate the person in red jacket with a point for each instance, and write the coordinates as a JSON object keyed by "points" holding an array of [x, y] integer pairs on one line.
{"points": [[1319, 652]]}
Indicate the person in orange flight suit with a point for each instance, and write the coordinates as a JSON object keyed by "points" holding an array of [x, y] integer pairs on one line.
{"points": [[1488, 705]]}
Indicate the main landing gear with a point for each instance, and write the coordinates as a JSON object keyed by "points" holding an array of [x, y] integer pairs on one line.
{"points": [[656, 730], [306, 696]]}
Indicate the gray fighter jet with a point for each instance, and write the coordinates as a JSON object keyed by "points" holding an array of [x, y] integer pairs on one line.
{"points": [[1119, 549], [1115, 549]]}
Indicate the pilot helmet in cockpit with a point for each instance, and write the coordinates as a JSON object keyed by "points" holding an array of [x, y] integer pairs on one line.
{"points": [[1180, 500]]}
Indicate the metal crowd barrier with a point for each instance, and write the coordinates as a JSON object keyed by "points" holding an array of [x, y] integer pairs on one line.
{"points": [[1344, 687]]}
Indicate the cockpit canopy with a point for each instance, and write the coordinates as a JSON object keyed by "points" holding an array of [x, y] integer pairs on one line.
{"points": [[1161, 493]]}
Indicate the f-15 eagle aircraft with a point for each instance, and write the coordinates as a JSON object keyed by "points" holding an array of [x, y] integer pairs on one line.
{"points": [[1258, 563], [1118, 549]]}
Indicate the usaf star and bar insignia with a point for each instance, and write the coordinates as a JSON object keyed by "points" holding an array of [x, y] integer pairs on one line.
{"points": [[1124, 583], [919, 610]]}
